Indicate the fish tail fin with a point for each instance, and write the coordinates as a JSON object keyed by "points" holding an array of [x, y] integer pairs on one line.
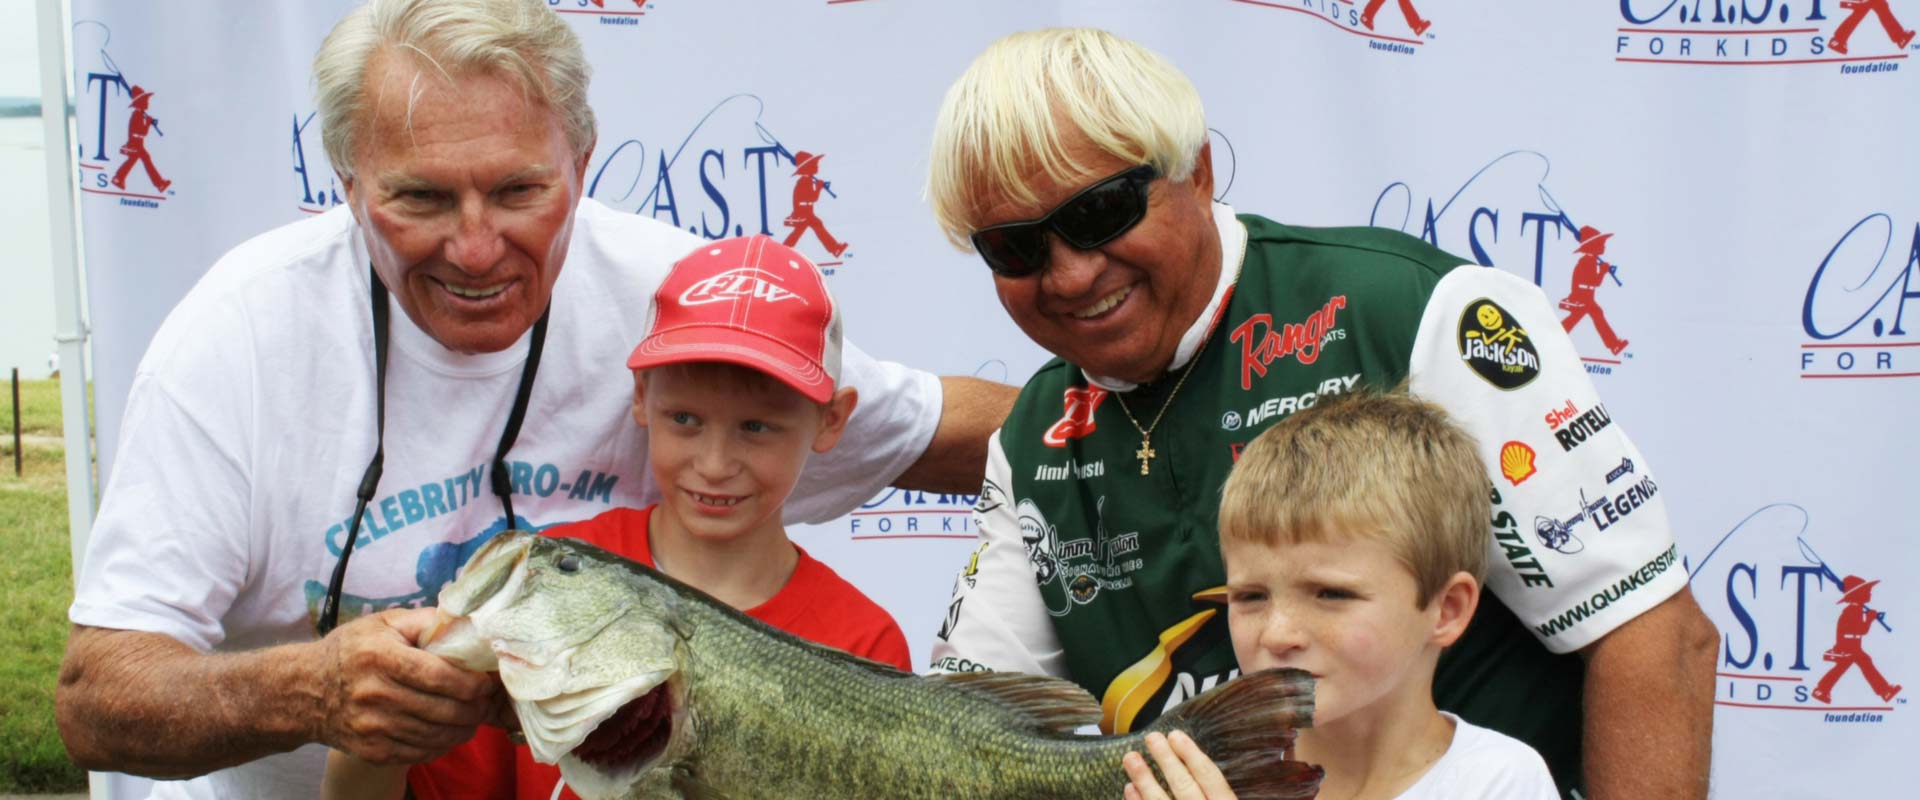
{"points": [[1247, 726]]}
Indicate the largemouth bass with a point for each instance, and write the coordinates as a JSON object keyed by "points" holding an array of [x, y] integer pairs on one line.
{"points": [[640, 686]]}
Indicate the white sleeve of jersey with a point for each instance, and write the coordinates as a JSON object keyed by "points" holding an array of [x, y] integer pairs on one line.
{"points": [[1581, 539], [997, 620]]}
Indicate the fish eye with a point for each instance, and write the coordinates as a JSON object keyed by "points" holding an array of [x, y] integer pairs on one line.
{"points": [[568, 563]]}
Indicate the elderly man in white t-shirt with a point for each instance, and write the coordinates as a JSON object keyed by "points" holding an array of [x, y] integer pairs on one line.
{"points": [[462, 133]]}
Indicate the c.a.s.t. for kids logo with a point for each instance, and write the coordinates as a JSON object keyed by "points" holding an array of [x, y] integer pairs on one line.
{"points": [[1504, 216], [1394, 27], [1774, 33], [1804, 621], [740, 170], [119, 126]]}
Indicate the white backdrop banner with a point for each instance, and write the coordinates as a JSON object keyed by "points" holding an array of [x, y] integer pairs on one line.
{"points": [[1753, 161]]}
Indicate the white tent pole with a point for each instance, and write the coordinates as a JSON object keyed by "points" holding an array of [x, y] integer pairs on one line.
{"points": [[70, 327], [69, 315]]}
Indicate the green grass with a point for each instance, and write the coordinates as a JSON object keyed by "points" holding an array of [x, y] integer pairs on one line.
{"points": [[39, 411], [36, 584]]}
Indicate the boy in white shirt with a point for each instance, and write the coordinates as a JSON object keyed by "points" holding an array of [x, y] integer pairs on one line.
{"points": [[1355, 535]]}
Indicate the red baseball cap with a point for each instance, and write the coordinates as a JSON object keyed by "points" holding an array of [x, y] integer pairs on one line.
{"points": [[749, 301]]}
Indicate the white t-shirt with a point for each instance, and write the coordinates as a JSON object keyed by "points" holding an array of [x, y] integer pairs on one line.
{"points": [[251, 419], [1484, 764]]}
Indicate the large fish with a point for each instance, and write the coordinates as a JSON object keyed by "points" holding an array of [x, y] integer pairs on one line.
{"points": [[640, 686]]}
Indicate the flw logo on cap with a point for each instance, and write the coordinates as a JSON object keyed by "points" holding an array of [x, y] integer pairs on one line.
{"points": [[1077, 422], [738, 284], [728, 302]]}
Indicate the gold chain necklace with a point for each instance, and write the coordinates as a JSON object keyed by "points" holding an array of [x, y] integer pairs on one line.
{"points": [[1146, 451]]}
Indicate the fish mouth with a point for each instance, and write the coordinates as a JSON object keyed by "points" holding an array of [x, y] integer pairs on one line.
{"points": [[486, 572], [493, 573], [636, 737]]}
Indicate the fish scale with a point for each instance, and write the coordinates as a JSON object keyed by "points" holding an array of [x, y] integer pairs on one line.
{"points": [[873, 734], [769, 715]]}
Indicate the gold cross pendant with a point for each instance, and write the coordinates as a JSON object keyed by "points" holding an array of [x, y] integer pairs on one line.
{"points": [[1144, 454]]}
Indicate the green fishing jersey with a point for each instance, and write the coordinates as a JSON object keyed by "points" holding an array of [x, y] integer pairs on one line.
{"points": [[1099, 558]]}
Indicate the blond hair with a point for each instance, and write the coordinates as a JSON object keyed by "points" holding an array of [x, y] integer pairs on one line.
{"points": [[1006, 120], [518, 40], [1383, 465]]}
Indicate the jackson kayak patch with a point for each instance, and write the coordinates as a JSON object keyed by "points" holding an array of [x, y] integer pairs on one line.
{"points": [[1495, 346]]}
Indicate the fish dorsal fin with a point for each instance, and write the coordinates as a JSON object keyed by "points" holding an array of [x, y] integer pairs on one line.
{"points": [[879, 668], [1048, 704]]}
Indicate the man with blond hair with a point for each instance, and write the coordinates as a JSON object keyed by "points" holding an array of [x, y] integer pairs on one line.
{"points": [[362, 381], [1077, 165]]}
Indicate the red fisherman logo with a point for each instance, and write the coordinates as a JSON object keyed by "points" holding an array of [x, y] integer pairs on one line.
{"points": [[1856, 621], [139, 123], [1857, 13], [1590, 274], [806, 195], [1414, 22]]}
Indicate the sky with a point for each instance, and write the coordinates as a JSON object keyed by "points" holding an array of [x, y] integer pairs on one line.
{"points": [[19, 57]]}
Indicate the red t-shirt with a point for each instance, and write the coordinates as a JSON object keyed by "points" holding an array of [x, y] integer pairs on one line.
{"points": [[816, 604]]}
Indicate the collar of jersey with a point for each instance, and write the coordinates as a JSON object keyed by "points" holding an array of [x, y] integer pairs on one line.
{"points": [[1233, 251]]}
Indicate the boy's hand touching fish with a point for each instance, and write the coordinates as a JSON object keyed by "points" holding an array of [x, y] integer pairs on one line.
{"points": [[1189, 773]]}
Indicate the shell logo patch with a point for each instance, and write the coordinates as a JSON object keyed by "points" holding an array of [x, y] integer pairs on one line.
{"points": [[1516, 462]]}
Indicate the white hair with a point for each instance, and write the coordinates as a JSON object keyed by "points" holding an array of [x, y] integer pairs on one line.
{"points": [[1003, 122], [518, 40]]}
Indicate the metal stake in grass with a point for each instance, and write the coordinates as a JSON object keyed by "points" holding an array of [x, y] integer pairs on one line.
{"points": [[16, 422]]}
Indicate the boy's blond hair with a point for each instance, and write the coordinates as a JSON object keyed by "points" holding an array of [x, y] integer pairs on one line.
{"points": [[1384, 465]]}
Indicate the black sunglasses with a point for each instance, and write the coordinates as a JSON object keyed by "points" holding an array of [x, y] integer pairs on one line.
{"points": [[1092, 217]]}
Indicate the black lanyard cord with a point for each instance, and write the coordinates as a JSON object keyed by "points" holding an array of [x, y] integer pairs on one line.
{"points": [[370, 480], [502, 485]]}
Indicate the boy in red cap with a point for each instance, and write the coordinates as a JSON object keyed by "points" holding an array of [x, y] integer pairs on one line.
{"points": [[737, 383]]}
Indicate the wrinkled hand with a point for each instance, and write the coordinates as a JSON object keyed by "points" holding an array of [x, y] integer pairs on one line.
{"points": [[1190, 774], [389, 702]]}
